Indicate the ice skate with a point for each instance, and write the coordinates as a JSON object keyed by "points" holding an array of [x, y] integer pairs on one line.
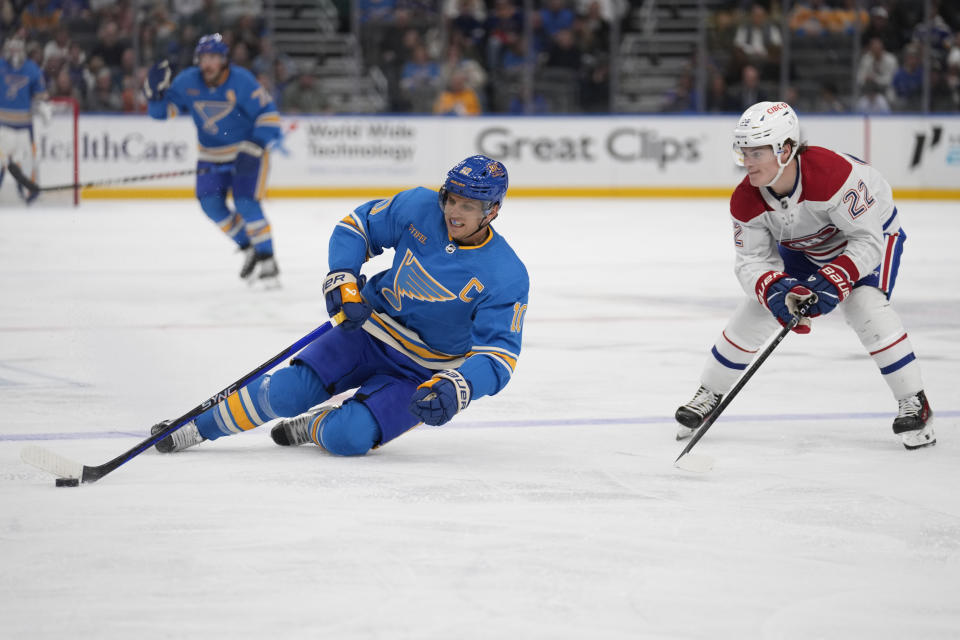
{"points": [[290, 432], [914, 423], [694, 413], [183, 438], [249, 261], [269, 273]]}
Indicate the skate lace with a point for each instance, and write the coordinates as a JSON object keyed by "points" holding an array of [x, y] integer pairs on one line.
{"points": [[186, 436], [910, 407], [703, 401]]}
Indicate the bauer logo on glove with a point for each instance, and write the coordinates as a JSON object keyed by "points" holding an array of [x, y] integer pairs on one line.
{"points": [[342, 293], [441, 397]]}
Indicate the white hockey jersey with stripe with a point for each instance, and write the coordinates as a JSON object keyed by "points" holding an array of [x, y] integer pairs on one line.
{"points": [[837, 213]]}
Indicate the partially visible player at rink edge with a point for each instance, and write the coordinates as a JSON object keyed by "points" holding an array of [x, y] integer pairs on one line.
{"points": [[808, 221], [237, 122], [421, 340], [22, 91]]}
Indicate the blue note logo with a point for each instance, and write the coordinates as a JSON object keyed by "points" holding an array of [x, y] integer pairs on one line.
{"points": [[14, 83], [213, 111], [413, 281]]}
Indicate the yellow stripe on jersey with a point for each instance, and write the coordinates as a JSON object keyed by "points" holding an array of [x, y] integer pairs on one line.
{"points": [[261, 190], [381, 328], [504, 357]]}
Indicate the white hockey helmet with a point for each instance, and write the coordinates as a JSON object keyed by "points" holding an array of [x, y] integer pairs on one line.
{"points": [[15, 52], [767, 123]]}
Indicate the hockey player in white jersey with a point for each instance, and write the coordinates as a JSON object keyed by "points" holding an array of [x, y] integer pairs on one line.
{"points": [[811, 223]]}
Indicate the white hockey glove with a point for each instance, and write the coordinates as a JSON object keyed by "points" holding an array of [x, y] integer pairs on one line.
{"points": [[45, 110]]}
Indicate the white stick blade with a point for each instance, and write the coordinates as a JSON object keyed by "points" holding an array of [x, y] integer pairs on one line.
{"points": [[51, 462], [694, 462]]}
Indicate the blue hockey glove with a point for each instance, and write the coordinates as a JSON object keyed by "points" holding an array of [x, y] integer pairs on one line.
{"points": [[441, 397], [782, 295], [342, 292], [157, 81], [832, 285]]}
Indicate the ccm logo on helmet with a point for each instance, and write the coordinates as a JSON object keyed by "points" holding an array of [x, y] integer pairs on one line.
{"points": [[778, 107]]}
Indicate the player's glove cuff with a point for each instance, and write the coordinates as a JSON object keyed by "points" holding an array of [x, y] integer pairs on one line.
{"points": [[462, 386], [764, 283]]}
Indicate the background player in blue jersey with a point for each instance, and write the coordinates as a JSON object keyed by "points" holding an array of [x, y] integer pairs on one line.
{"points": [[441, 327], [810, 223], [22, 91], [237, 122]]}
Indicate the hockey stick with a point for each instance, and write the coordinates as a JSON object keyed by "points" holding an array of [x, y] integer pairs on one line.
{"points": [[32, 186], [65, 468], [701, 463], [21, 178]]}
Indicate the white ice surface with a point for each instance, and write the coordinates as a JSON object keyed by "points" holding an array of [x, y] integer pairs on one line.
{"points": [[550, 511]]}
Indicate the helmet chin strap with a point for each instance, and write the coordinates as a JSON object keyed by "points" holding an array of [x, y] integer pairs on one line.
{"points": [[793, 152]]}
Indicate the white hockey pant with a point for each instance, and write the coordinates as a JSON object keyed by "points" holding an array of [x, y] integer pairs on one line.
{"points": [[867, 311], [15, 145]]}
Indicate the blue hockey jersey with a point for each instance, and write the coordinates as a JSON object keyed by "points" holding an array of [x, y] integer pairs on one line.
{"points": [[237, 111], [443, 305], [18, 88]]}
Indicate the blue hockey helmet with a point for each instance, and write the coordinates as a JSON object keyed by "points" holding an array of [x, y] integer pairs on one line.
{"points": [[478, 178], [212, 43]]}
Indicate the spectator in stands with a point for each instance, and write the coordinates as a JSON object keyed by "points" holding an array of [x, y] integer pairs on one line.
{"points": [[748, 91], [304, 96], [474, 74], [240, 54], [110, 46], [105, 97], [208, 19], [268, 57], [127, 68], [811, 18], [375, 10], [872, 100], [849, 19], [9, 20], [467, 26], [563, 53], [80, 75], [953, 74], [41, 18], [757, 42], [503, 27], [63, 86], [595, 86], [718, 99], [58, 46], [458, 99], [938, 30], [827, 100], [881, 27], [877, 66], [556, 16], [908, 80], [593, 31], [683, 97], [247, 31], [132, 99], [180, 49], [420, 80]]}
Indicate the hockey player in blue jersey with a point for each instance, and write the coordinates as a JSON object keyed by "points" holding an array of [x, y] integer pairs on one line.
{"points": [[22, 91], [237, 122], [419, 342]]}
